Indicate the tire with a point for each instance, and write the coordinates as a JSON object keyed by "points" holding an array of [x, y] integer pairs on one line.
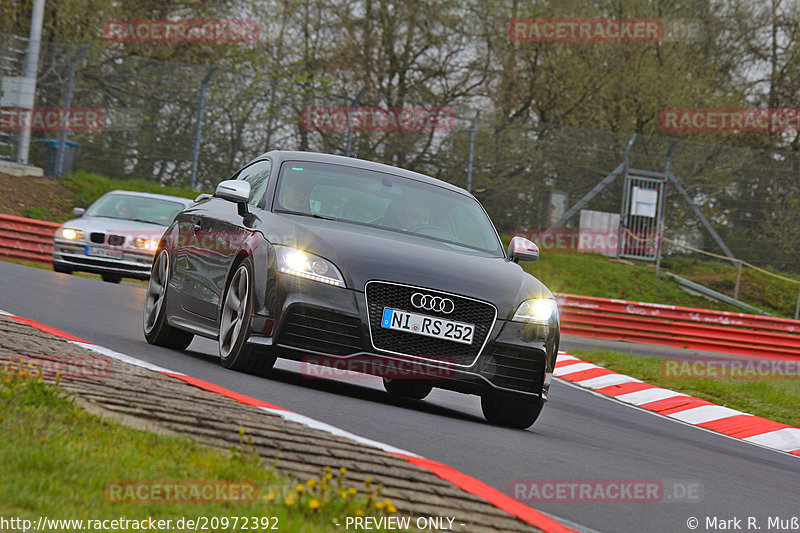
{"points": [[416, 389], [512, 413], [154, 321], [61, 269], [237, 309], [111, 278]]}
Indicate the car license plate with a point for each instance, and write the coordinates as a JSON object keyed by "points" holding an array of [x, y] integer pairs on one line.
{"points": [[429, 326], [103, 252]]}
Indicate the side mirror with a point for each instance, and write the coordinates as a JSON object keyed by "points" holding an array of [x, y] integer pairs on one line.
{"points": [[236, 191], [78, 211], [522, 249]]}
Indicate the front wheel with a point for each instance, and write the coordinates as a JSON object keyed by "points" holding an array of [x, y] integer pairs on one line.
{"points": [[156, 329], [512, 413], [415, 389], [237, 309], [111, 278]]}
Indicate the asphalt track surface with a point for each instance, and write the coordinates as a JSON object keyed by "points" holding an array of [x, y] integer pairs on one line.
{"points": [[579, 436]]}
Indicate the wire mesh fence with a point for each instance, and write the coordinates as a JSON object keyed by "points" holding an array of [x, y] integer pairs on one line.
{"points": [[525, 173]]}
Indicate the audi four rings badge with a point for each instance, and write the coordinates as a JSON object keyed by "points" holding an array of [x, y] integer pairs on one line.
{"points": [[432, 303]]}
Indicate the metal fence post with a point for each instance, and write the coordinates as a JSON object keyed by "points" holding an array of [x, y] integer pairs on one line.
{"points": [[62, 136], [354, 103], [797, 309], [198, 127], [31, 73], [738, 280], [471, 149]]}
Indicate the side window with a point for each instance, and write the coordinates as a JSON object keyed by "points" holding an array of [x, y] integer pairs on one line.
{"points": [[257, 175]]}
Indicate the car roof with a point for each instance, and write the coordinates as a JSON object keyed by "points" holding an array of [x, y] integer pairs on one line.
{"points": [[279, 156], [155, 196]]}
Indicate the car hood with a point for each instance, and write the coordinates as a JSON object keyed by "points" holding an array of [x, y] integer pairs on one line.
{"points": [[362, 253], [129, 228]]}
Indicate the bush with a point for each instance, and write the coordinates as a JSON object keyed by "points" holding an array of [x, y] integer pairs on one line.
{"points": [[87, 187]]}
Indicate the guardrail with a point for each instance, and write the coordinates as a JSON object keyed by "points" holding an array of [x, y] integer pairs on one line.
{"points": [[682, 327], [26, 239]]}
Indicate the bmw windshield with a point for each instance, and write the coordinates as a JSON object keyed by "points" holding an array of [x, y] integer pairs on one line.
{"points": [[385, 201], [138, 208]]}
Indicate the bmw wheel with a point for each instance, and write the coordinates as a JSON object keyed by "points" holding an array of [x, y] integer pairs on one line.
{"points": [[156, 329], [237, 310]]}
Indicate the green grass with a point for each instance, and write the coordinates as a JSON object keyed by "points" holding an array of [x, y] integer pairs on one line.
{"points": [[756, 288], [56, 460], [775, 398], [597, 275], [86, 187]]}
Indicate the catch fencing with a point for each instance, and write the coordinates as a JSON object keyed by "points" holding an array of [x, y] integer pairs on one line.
{"points": [[526, 173]]}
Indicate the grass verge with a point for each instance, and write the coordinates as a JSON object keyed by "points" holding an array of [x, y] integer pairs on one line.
{"points": [[597, 275], [773, 397], [57, 460]]}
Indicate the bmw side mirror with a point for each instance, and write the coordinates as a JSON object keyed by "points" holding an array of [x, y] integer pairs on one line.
{"points": [[522, 249], [78, 211], [236, 191]]}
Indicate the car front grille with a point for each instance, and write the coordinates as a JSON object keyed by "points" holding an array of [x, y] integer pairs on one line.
{"points": [[319, 330], [97, 237], [382, 294], [116, 240], [515, 368]]}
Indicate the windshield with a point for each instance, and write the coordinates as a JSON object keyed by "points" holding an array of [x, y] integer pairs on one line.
{"points": [[385, 201], [138, 208]]}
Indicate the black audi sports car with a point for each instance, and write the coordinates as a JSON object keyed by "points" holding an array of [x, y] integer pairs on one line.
{"points": [[337, 261]]}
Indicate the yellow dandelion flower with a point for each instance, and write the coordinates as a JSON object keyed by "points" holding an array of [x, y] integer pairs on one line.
{"points": [[291, 499], [299, 488], [378, 505], [367, 481], [351, 491], [311, 483], [328, 476], [343, 470], [359, 512], [343, 494], [314, 504], [270, 496], [390, 506], [327, 469], [241, 430]]}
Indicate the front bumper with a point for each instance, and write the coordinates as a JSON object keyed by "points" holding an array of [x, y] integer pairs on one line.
{"points": [[72, 256], [329, 326]]}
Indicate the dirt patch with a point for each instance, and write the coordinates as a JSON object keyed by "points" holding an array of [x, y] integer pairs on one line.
{"points": [[26, 196]]}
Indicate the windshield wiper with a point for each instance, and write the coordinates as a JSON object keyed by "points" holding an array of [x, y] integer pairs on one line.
{"points": [[302, 214]]}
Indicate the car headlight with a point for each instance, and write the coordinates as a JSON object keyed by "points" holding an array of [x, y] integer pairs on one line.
{"points": [[309, 266], [70, 234], [151, 245], [537, 311]]}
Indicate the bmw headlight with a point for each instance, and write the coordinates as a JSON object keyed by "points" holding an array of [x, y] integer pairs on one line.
{"points": [[536, 311], [151, 245], [309, 266], [70, 234]]}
